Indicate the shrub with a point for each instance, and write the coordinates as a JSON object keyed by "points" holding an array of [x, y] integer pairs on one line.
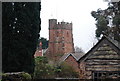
{"points": [[66, 71], [43, 70], [16, 76]]}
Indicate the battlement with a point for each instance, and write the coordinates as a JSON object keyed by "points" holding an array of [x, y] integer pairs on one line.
{"points": [[65, 23], [53, 24]]}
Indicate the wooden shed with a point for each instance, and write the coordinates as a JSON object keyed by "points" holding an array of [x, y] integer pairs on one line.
{"points": [[102, 61]]}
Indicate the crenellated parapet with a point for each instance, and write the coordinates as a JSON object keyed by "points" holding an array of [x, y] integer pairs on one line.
{"points": [[64, 25], [53, 24]]}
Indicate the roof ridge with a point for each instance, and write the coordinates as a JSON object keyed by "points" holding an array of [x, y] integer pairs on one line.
{"points": [[115, 42]]}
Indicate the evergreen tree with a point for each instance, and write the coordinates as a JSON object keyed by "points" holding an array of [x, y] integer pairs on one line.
{"points": [[108, 21], [20, 32]]}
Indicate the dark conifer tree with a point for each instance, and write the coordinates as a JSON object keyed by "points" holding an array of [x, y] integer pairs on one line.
{"points": [[20, 33]]}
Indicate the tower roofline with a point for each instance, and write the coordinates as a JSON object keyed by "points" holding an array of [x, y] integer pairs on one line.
{"points": [[53, 19], [59, 25]]}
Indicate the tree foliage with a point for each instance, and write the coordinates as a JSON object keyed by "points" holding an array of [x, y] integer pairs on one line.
{"points": [[44, 70], [44, 42], [108, 21], [78, 50], [20, 33], [66, 71]]}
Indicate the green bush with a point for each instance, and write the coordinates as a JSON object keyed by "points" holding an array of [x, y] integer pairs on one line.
{"points": [[16, 76], [26, 75], [66, 71], [43, 70]]}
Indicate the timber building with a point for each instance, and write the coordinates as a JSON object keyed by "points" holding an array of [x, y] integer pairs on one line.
{"points": [[102, 61]]}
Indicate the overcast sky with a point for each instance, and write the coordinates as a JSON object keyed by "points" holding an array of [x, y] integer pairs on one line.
{"points": [[75, 11]]}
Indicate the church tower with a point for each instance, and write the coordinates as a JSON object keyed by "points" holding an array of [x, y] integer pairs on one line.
{"points": [[60, 39]]}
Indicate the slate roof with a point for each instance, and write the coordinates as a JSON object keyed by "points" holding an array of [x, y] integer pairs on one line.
{"points": [[76, 56]]}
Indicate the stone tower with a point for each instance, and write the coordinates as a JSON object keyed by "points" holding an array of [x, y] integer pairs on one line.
{"points": [[60, 39]]}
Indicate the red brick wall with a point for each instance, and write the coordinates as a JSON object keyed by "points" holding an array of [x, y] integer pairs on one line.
{"points": [[60, 38], [39, 50], [72, 62], [38, 53]]}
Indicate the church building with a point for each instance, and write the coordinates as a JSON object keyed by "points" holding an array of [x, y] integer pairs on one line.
{"points": [[60, 39]]}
